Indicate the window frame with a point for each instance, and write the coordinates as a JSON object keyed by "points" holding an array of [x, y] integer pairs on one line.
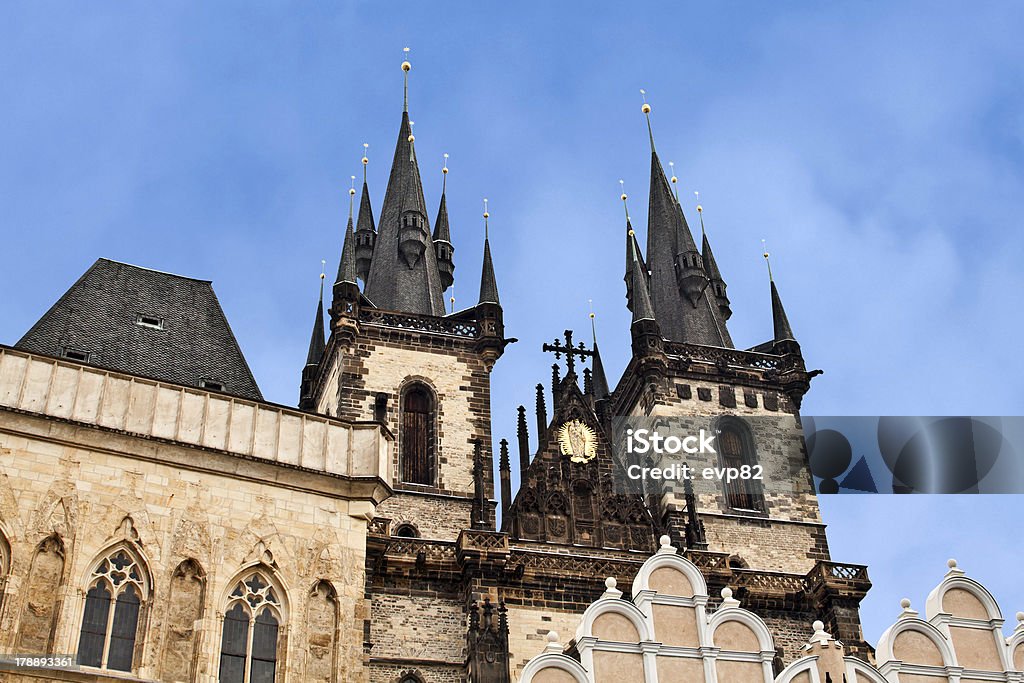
{"points": [[141, 583], [748, 454], [277, 610], [430, 425]]}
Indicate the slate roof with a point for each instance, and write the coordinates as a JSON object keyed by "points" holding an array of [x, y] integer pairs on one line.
{"points": [[99, 316]]}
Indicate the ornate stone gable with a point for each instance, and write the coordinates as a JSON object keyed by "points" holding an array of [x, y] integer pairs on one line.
{"points": [[562, 501]]}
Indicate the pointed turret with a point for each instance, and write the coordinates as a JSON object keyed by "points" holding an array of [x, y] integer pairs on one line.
{"points": [[633, 253], [403, 273], [642, 309], [442, 235], [347, 271], [366, 231], [488, 285], [716, 282], [784, 340], [600, 380], [315, 353], [678, 283]]}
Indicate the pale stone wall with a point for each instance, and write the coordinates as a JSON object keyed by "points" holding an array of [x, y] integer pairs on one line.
{"points": [[200, 487], [528, 629]]}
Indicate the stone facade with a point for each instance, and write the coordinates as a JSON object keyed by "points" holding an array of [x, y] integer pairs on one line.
{"points": [[85, 471]]}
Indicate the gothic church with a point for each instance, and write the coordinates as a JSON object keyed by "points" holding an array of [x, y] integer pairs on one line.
{"points": [[160, 521]]}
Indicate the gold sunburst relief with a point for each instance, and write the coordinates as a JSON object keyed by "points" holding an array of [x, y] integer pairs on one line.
{"points": [[578, 441]]}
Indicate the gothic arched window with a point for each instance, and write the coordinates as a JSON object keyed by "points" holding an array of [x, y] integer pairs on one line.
{"points": [[118, 589], [417, 435], [736, 446], [406, 531], [252, 623]]}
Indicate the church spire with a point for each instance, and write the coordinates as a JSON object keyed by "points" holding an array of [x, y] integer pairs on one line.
{"points": [[488, 285], [366, 231], [403, 274], [780, 321], [316, 351], [600, 380], [316, 341], [442, 234], [678, 282], [633, 253], [642, 309], [347, 266], [715, 280]]}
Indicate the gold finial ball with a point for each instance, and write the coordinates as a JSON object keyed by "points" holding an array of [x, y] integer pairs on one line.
{"points": [[365, 161], [322, 276], [412, 138], [675, 180], [445, 170], [487, 214], [352, 191], [406, 66], [591, 316], [766, 254], [624, 197], [700, 208], [646, 108], [631, 233]]}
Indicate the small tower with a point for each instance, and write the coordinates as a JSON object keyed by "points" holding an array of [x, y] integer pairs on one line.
{"points": [[315, 353], [366, 231], [715, 280], [442, 235]]}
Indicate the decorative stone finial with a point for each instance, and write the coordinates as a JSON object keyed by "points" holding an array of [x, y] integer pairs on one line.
{"points": [[951, 563], [1020, 616], [905, 603], [818, 626], [726, 593], [610, 591], [728, 602], [666, 547], [553, 644]]}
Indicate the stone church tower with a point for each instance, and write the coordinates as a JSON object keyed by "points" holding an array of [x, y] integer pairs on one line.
{"points": [[453, 597]]}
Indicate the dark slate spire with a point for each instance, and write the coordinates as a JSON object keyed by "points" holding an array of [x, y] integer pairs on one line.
{"points": [[488, 285], [642, 309], [600, 380], [403, 274], [442, 236], [716, 282], [347, 271], [504, 472], [783, 331], [316, 341], [366, 231], [780, 321], [523, 436], [633, 253]]}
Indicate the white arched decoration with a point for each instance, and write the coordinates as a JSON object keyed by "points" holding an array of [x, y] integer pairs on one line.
{"points": [[1015, 645], [610, 603], [552, 666], [731, 612], [910, 622], [964, 632]]}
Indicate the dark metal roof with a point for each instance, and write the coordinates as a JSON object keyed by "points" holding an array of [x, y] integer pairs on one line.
{"points": [[187, 340], [393, 284], [488, 284]]}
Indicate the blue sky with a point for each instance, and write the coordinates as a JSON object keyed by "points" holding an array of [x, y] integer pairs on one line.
{"points": [[877, 147]]}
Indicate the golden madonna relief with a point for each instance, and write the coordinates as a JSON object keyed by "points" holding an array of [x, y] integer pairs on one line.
{"points": [[578, 441]]}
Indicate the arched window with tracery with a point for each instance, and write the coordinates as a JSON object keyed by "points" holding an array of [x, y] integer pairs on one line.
{"points": [[252, 626], [118, 591], [417, 437], [736, 445]]}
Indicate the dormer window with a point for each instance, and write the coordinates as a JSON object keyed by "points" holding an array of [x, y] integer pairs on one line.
{"points": [[151, 321], [75, 354], [211, 384]]}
